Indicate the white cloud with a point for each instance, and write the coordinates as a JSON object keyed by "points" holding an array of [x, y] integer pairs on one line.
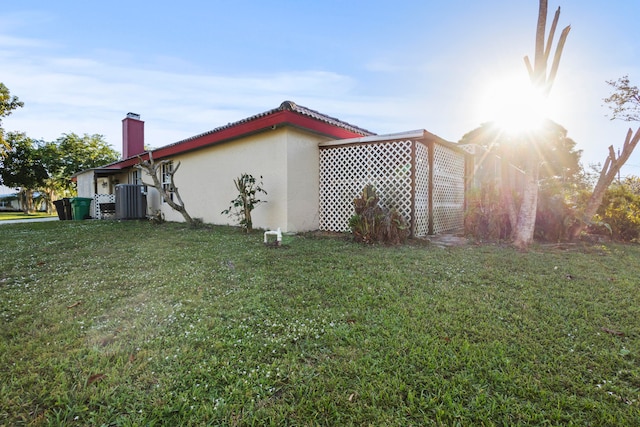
{"points": [[18, 42], [178, 99], [64, 94]]}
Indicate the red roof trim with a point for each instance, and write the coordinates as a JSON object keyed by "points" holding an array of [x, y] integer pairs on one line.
{"points": [[259, 124], [314, 125]]}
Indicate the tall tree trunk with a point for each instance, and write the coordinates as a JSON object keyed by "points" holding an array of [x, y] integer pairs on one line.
{"points": [[51, 194], [28, 201], [526, 222]]}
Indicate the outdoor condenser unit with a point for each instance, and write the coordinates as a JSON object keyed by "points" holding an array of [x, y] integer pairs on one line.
{"points": [[131, 202]]}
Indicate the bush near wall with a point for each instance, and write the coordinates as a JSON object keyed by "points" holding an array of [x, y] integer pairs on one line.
{"points": [[373, 223]]}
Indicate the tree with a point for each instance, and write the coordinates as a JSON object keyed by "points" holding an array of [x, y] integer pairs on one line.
{"points": [[633, 184], [57, 183], [625, 105], [8, 103], [154, 170], [525, 217], [624, 102], [22, 167], [561, 180], [68, 155], [77, 153], [619, 212], [560, 160]]}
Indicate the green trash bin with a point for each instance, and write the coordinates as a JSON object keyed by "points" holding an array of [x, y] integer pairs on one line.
{"points": [[80, 207]]}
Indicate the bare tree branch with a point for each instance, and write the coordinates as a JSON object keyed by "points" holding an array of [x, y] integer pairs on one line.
{"points": [[552, 33], [527, 64], [556, 58], [608, 173], [539, 64], [153, 169]]}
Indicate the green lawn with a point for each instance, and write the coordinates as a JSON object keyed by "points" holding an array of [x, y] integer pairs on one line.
{"points": [[5, 216], [127, 323]]}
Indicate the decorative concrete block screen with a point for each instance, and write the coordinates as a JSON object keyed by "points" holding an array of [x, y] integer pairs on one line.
{"points": [[101, 198], [420, 221], [346, 170], [448, 189], [402, 174]]}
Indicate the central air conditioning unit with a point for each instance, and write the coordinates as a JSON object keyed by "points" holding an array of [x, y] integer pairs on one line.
{"points": [[131, 201]]}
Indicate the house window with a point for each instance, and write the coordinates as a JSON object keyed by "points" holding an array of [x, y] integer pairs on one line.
{"points": [[167, 168], [135, 177]]}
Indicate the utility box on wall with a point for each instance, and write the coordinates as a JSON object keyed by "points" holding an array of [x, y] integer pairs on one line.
{"points": [[131, 201]]}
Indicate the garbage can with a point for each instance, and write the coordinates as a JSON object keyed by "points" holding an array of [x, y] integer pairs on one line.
{"points": [[80, 207], [59, 204], [67, 208]]}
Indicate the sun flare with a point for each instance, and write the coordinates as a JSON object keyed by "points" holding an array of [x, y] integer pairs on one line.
{"points": [[515, 105]]}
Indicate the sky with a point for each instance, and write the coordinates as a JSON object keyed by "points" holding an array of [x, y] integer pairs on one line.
{"points": [[387, 66]]}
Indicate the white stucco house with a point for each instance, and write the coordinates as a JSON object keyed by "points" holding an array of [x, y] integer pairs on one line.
{"points": [[281, 145], [312, 166]]}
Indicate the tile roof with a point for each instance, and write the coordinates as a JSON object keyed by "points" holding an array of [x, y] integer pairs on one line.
{"points": [[288, 113], [288, 106]]}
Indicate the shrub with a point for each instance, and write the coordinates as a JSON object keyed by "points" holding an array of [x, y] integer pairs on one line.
{"points": [[373, 223], [486, 218], [559, 209], [157, 217], [619, 213], [246, 200]]}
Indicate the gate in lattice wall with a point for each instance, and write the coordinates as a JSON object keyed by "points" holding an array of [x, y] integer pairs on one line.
{"points": [[417, 173]]}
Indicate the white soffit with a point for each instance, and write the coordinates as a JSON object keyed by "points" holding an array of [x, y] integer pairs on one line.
{"points": [[412, 134]]}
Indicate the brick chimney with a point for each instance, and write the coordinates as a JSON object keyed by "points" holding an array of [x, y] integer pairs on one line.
{"points": [[132, 135]]}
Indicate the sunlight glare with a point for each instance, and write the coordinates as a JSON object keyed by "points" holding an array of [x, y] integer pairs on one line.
{"points": [[515, 105]]}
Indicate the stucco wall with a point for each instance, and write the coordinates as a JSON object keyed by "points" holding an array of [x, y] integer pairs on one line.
{"points": [[84, 184], [303, 181], [287, 160], [205, 178]]}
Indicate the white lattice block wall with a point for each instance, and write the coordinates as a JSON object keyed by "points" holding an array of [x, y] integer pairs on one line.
{"points": [[422, 191], [448, 189], [345, 170], [101, 198]]}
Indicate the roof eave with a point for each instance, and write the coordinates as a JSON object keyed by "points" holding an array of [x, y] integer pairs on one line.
{"points": [[419, 134], [259, 124]]}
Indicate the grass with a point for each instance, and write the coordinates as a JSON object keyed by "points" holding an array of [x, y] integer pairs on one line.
{"points": [[127, 323], [6, 216]]}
